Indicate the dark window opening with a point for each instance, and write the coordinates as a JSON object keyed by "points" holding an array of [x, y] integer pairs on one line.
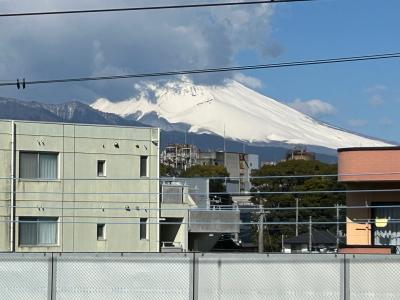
{"points": [[143, 228], [101, 168], [101, 231], [143, 166]]}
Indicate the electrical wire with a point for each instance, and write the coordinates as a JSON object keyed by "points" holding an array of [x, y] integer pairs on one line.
{"points": [[180, 179], [396, 221], [212, 193], [212, 70], [196, 209], [146, 8]]}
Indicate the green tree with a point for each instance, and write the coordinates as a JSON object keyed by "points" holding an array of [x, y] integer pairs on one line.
{"points": [[294, 184], [217, 186], [168, 171]]}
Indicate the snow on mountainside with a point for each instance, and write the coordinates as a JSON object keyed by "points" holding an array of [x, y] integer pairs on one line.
{"points": [[242, 113]]}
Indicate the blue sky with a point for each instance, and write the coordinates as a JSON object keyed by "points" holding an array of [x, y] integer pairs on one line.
{"points": [[360, 96], [365, 95]]}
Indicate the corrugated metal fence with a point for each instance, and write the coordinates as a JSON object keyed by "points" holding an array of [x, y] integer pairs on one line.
{"points": [[195, 276]]}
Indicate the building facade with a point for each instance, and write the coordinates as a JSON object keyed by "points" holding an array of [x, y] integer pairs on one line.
{"points": [[180, 156], [78, 188], [237, 164], [188, 221], [372, 176], [299, 153]]}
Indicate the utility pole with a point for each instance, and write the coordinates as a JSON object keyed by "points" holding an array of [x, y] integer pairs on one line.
{"points": [[297, 216], [310, 235], [261, 230], [224, 139], [283, 243], [337, 227]]}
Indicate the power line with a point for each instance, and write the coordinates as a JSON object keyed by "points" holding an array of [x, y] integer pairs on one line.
{"points": [[215, 70], [181, 179], [255, 193], [196, 209], [356, 221], [164, 7]]}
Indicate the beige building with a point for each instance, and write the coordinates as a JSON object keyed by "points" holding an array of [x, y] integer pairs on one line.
{"points": [[188, 221], [67, 187], [91, 188], [238, 165]]}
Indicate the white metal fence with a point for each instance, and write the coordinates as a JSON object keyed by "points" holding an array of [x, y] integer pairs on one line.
{"points": [[196, 276]]}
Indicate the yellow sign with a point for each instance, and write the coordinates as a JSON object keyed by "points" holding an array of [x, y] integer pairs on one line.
{"points": [[381, 222]]}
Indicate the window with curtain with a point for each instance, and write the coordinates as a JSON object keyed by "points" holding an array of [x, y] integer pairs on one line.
{"points": [[388, 232], [38, 231], [38, 165]]}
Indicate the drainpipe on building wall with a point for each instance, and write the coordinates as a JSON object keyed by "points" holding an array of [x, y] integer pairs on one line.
{"points": [[12, 191], [158, 190]]}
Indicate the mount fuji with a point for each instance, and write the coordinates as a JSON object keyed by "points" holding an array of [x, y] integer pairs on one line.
{"points": [[231, 110]]}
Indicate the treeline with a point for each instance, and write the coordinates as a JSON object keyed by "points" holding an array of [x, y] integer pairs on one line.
{"points": [[294, 186]]}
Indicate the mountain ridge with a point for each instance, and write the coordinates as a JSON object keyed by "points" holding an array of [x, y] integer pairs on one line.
{"points": [[233, 111], [13, 109]]}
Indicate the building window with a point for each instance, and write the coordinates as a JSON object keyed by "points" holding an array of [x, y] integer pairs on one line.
{"points": [[143, 229], [143, 166], [38, 231], [101, 232], [38, 165], [101, 168]]}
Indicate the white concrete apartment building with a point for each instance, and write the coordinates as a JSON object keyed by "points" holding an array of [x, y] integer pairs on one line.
{"points": [[78, 188]]}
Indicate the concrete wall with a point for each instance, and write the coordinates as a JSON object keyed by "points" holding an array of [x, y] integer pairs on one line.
{"points": [[232, 164], [369, 164], [190, 276], [81, 204], [5, 184]]}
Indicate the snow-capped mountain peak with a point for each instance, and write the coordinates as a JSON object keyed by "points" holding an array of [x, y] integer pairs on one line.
{"points": [[232, 110]]}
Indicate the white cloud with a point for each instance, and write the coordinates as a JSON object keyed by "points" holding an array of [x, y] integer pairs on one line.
{"points": [[358, 122], [46, 47], [313, 107], [248, 81], [376, 88], [376, 100]]}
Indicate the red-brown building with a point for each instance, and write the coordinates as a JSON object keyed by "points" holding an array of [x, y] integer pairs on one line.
{"points": [[377, 171]]}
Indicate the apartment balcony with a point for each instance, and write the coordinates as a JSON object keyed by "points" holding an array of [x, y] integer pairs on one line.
{"points": [[217, 219], [171, 247]]}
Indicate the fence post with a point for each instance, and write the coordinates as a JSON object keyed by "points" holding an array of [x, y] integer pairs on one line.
{"points": [[194, 277], [52, 277], [337, 226], [261, 230], [345, 278], [310, 235]]}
